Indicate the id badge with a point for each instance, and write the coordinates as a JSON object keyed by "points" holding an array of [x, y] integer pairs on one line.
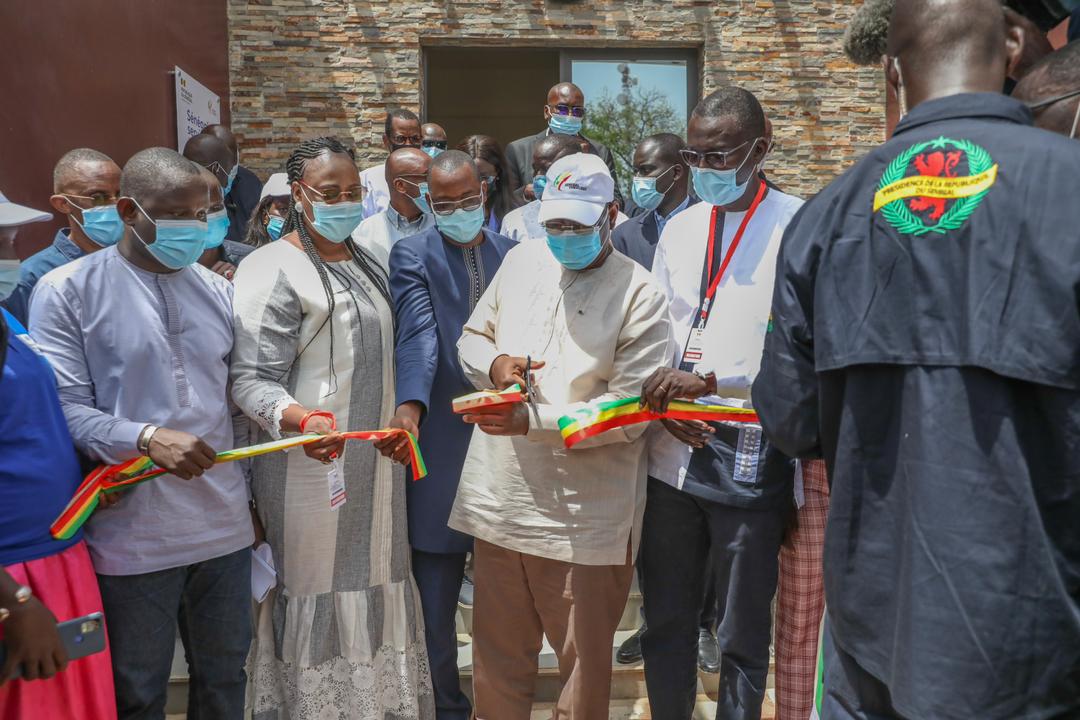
{"points": [[695, 347], [335, 480], [747, 455]]}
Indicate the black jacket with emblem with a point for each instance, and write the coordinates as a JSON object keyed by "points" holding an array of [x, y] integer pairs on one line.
{"points": [[930, 351]]}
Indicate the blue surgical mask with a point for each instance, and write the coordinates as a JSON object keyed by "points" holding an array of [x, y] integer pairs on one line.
{"points": [[102, 225], [232, 178], [644, 191], [539, 183], [274, 226], [336, 222], [433, 151], [721, 187], [177, 243], [217, 228], [461, 226], [576, 252], [565, 124], [9, 278], [420, 201]]}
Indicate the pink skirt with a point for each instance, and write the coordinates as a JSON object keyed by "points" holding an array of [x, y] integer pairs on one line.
{"points": [[66, 584]]}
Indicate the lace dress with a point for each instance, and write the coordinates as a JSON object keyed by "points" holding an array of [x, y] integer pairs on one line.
{"points": [[342, 634]]}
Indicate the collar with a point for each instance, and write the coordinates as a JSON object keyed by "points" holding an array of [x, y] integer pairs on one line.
{"points": [[400, 221], [966, 106], [66, 246], [678, 209]]}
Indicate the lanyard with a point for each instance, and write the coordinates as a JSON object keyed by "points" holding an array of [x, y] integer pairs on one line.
{"points": [[714, 282]]}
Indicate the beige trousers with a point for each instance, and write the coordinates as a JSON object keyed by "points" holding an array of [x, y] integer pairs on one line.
{"points": [[520, 598]]}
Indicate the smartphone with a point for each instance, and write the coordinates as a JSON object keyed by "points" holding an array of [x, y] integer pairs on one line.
{"points": [[81, 637]]}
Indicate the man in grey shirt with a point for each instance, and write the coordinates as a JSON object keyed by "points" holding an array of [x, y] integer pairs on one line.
{"points": [[139, 337]]}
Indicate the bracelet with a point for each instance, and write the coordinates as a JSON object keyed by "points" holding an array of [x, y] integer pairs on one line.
{"points": [[318, 413], [143, 443]]}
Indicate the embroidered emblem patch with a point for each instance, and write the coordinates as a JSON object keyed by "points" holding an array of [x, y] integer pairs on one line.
{"points": [[934, 186]]}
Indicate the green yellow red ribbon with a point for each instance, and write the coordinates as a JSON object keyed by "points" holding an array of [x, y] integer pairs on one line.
{"points": [[114, 478], [487, 398], [597, 418]]}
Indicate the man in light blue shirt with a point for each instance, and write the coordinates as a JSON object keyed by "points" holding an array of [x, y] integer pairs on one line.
{"points": [[139, 337]]}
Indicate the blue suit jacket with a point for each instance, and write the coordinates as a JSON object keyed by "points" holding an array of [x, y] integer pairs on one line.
{"points": [[435, 286], [637, 237]]}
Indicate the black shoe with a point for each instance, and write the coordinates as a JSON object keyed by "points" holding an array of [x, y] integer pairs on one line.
{"points": [[630, 651], [708, 652], [465, 595]]}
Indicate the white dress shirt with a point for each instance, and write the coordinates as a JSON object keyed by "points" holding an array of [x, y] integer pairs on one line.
{"points": [[379, 233], [376, 191], [601, 333], [734, 336]]}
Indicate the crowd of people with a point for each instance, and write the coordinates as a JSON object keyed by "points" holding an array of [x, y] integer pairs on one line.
{"points": [[907, 338]]}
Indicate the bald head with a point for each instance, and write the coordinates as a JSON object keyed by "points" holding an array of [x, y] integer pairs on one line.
{"points": [[566, 93], [223, 134], [156, 172], [74, 168], [1056, 75], [550, 149], [213, 189], [453, 176], [946, 47], [211, 152], [406, 161], [663, 147], [432, 131]]}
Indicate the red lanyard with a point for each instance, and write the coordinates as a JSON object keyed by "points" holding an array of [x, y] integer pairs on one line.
{"points": [[714, 282]]}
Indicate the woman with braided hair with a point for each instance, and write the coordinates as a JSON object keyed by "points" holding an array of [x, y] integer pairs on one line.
{"points": [[341, 636]]}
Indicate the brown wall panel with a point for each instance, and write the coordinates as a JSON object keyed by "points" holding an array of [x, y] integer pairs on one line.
{"points": [[96, 73]]}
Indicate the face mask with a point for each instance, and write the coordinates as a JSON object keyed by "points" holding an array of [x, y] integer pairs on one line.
{"points": [[721, 187], [644, 191], [177, 243], [576, 252], [274, 226], [9, 278], [565, 124], [232, 178], [102, 225], [462, 225], [433, 151], [217, 228], [336, 222], [420, 201], [539, 183]]}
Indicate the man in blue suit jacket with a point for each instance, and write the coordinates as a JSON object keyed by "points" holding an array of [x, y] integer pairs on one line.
{"points": [[436, 279], [660, 188]]}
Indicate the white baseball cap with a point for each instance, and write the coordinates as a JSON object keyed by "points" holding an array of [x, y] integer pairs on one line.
{"points": [[276, 186], [579, 187], [12, 214]]}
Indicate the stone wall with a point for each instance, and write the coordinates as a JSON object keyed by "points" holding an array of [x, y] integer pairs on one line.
{"points": [[301, 68]]}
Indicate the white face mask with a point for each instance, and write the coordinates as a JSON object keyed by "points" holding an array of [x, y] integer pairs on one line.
{"points": [[9, 277]]}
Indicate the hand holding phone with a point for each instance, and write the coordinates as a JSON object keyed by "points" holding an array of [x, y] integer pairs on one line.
{"points": [[36, 647]]}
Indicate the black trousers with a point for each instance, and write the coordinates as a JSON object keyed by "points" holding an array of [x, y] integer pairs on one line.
{"points": [[681, 533], [438, 578]]}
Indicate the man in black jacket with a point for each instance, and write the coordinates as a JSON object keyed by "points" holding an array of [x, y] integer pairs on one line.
{"points": [[564, 113], [924, 340]]}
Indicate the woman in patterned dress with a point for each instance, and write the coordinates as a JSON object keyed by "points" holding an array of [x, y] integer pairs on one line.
{"points": [[341, 636]]}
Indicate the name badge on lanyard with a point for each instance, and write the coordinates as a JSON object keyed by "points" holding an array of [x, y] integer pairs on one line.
{"points": [[695, 344]]}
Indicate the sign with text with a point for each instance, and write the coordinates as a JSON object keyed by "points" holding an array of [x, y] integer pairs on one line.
{"points": [[196, 107]]}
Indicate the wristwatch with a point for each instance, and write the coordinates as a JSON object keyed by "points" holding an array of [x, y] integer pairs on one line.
{"points": [[709, 379], [143, 443]]}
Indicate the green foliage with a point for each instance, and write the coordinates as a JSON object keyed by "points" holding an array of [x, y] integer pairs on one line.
{"points": [[621, 127]]}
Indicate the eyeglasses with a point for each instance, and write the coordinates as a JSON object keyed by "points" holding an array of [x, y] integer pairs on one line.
{"points": [[567, 227], [441, 144], [577, 111], [715, 159], [333, 195], [448, 207], [1050, 101], [216, 167], [406, 140], [96, 200]]}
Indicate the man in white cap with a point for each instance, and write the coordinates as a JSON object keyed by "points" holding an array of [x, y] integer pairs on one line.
{"points": [[556, 530]]}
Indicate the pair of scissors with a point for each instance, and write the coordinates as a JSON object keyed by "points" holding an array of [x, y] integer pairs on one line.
{"points": [[529, 392]]}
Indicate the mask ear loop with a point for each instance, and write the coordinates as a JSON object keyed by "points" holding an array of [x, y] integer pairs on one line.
{"points": [[1076, 119]]}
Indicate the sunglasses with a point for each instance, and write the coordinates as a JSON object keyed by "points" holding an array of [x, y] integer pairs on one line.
{"points": [[577, 111], [441, 144]]}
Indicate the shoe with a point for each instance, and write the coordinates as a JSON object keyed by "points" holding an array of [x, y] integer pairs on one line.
{"points": [[630, 650], [708, 652], [465, 595]]}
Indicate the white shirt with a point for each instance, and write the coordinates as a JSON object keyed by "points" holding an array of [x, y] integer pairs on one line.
{"points": [[376, 191], [380, 232], [601, 333], [523, 223], [734, 336]]}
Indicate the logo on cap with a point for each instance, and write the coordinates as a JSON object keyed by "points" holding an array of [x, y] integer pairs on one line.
{"points": [[563, 180]]}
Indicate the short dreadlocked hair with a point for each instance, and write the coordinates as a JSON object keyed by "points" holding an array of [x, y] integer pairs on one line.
{"points": [[868, 32]]}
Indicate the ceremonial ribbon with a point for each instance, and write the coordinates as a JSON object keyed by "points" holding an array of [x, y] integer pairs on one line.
{"points": [[113, 478], [596, 418], [487, 398]]}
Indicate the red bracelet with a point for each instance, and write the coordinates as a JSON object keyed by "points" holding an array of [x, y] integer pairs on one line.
{"points": [[319, 413]]}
